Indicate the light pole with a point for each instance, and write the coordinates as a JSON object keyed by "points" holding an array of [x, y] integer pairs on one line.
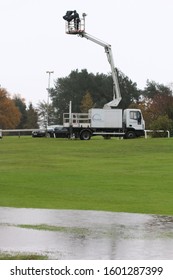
{"points": [[48, 92]]}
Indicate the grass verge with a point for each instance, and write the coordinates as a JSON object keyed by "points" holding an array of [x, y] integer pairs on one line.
{"points": [[70, 230], [111, 175], [5, 256]]}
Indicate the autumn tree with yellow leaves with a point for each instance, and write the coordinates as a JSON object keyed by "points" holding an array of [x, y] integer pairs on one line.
{"points": [[86, 103]]}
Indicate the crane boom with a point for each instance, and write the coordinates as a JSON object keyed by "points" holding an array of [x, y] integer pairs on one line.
{"points": [[79, 29], [116, 90]]}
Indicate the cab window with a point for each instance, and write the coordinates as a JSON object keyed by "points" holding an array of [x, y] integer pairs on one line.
{"points": [[135, 115]]}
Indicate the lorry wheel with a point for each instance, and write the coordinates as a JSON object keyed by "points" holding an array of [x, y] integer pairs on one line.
{"points": [[130, 135], [85, 135]]}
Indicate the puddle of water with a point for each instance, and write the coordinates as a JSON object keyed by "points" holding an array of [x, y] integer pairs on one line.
{"points": [[73, 234]]}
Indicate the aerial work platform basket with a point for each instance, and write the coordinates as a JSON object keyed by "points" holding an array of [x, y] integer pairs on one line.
{"points": [[75, 25]]}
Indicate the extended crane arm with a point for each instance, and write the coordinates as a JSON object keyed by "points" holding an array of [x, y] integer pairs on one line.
{"points": [[78, 27], [116, 90]]}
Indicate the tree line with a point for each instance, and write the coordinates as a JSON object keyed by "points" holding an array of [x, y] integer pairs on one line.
{"points": [[15, 114], [87, 90]]}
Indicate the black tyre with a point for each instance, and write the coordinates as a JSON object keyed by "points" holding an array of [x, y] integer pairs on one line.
{"points": [[85, 135], [130, 135]]}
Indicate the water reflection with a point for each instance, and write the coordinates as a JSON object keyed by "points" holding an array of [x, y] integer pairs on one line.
{"points": [[73, 234]]}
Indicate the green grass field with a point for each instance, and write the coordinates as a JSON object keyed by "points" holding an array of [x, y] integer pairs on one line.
{"points": [[110, 175]]}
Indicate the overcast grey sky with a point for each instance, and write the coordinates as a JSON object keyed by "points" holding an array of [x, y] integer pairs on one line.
{"points": [[33, 41]]}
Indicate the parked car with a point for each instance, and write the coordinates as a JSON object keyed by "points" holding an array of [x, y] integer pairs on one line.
{"points": [[54, 132], [39, 133], [59, 132]]}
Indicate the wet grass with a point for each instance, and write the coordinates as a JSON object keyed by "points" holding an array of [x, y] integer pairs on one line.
{"points": [[44, 227], [110, 175], [19, 256], [69, 230]]}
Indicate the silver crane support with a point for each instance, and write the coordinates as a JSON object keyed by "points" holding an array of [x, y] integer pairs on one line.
{"points": [[71, 29]]}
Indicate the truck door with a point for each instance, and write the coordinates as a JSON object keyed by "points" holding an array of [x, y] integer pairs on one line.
{"points": [[135, 119]]}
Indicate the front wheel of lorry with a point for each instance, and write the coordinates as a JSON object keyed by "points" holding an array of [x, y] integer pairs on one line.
{"points": [[85, 135], [130, 134]]}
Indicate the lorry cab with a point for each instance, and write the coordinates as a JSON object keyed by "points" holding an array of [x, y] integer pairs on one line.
{"points": [[133, 122]]}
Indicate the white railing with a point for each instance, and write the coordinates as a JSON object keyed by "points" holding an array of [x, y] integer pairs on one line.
{"points": [[152, 131], [19, 130], [72, 28], [16, 131], [76, 120]]}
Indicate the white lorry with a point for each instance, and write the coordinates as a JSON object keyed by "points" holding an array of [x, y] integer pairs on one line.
{"points": [[108, 121]]}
